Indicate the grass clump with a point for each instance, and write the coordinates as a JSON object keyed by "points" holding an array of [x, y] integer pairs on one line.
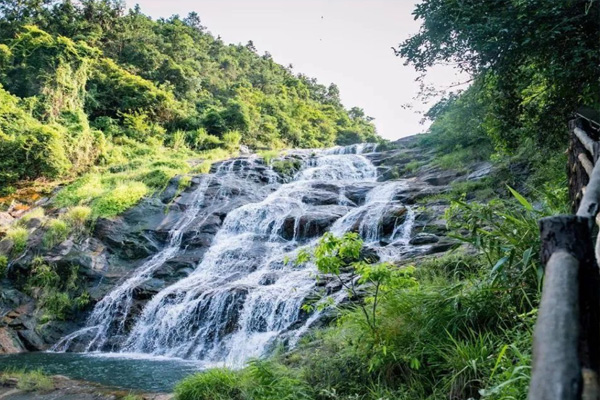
{"points": [[268, 155], [214, 384], [29, 381], [122, 197], [57, 231], [19, 237], [78, 217], [3, 265]]}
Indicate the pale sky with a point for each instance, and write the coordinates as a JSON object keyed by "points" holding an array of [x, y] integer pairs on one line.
{"points": [[347, 42]]}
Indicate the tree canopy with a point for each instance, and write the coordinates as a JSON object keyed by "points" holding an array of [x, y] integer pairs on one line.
{"points": [[536, 61]]}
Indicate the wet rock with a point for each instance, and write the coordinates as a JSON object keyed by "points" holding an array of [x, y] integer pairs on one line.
{"points": [[440, 178], [268, 279], [481, 171], [358, 193], [309, 225], [423, 238], [394, 217], [10, 342], [148, 289]]}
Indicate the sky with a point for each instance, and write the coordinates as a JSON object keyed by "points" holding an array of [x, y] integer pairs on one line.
{"points": [[347, 42]]}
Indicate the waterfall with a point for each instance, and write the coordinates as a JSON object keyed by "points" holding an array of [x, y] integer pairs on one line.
{"points": [[242, 295]]}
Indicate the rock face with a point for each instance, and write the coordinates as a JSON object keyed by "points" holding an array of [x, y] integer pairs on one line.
{"points": [[119, 246]]}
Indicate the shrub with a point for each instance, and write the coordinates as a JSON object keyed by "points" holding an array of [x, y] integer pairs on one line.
{"points": [[19, 238], [287, 168], [214, 384], [231, 140], [122, 197], [57, 232], [201, 140]]}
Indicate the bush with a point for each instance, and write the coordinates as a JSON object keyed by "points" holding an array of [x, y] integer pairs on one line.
{"points": [[57, 232], [231, 140], [214, 384]]}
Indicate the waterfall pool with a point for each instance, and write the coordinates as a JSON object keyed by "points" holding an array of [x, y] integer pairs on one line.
{"points": [[135, 371]]}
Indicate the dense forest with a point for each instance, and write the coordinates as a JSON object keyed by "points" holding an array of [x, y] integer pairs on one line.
{"points": [[113, 104], [90, 84]]}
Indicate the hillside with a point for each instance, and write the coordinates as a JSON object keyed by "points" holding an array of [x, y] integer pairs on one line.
{"points": [[93, 87]]}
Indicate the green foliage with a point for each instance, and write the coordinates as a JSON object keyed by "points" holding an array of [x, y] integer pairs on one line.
{"points": [[119, 199], [287, 168], [214, 384], [261, 380], [57, 231], [19, 237], [34, 381], [535, 62], [78, 217], [58, 292], [84, 82]]}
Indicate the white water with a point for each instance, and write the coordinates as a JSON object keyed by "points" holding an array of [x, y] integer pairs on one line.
{"points": [[242, 296]]}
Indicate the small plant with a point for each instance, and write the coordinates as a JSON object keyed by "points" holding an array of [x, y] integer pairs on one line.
{"points": [[132, 396], [57, 231], [287, 168], [19, 237], [203, 167], [268, 155], [335, 256]]}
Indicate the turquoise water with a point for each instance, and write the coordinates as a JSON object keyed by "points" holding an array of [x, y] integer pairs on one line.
{"points": [[115, 370]]}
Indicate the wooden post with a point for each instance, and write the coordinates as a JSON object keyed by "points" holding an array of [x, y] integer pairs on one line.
{"points": [[564, 352]]}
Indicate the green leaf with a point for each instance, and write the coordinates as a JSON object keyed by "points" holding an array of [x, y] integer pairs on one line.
{"points": [[521, 199]]}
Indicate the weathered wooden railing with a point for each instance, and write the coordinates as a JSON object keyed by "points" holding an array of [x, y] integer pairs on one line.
{"points": [[566, 346]]}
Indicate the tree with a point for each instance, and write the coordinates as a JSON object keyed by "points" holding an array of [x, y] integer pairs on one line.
{"points": [[537, 60]]}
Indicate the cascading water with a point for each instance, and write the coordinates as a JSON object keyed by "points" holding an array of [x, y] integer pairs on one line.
{"points": [[242, 295]]}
